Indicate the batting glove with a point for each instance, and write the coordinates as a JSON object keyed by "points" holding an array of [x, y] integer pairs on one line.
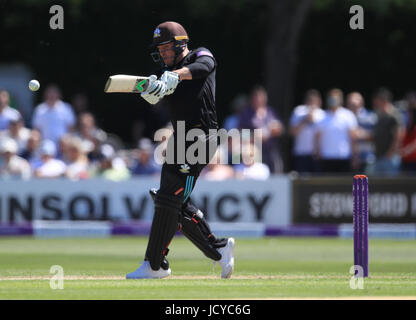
{"points": [[171, 79], [155, 91]]}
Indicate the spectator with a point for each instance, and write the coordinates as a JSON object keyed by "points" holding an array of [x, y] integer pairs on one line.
{"points": [[63, 146], [143, 163], [408, 149], [18, 133], [11, 165], [77, 161], [94, 155], [366, 121], [88, 131], [302, 126], [388, 134], [251, 166], [237, 106], [79, 103], [50, 167], [335, 135], [109, 165], [258, 115], [31, 152], [53, 118], [7, 113], [216, 169]]}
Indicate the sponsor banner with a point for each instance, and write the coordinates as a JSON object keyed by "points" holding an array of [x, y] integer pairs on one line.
{"points": [[330, 200], [392, 231], [24, 229], [62, 229], [102, 200], [266, 201], [239, 229], [303, 231], [93, 229], [131, 228]]}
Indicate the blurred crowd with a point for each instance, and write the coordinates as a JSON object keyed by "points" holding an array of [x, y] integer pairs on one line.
{"points": [[343, 136], [65, 142], [349, 136]]}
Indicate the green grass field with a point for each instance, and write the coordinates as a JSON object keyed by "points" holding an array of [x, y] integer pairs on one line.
{"points": [[266, 268]]}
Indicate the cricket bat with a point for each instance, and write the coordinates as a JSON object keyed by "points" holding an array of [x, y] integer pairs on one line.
{"points": [[127, 84]]}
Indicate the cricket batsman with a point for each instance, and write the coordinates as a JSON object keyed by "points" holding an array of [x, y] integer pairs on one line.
{"points": [[186, 81]]}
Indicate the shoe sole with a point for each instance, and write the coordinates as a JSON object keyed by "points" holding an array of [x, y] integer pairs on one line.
{"points": [[146, 278], [231, 241], [139, 278]]}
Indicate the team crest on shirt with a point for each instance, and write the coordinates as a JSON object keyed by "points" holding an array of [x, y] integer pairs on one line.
{"points": [[156, 34], [184, 168]]}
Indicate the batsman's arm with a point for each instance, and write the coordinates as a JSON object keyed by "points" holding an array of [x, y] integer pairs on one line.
{"points": [[202, 66], [184, 73]]}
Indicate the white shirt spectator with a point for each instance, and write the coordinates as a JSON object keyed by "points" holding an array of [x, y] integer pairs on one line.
{"points": [[334, 129], [11, 165], [16, 168], [6, 115], [77, 170], [304, 140], [21, 139], [53, 122], [51, 168], [256, 171]]}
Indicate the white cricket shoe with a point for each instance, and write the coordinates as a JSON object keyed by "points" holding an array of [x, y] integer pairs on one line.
{"points": [[145, 271], [227, 259]]}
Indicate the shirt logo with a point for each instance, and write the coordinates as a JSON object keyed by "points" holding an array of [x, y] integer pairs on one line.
{"points": [[204, 53], [184, 168], [156, 34]]}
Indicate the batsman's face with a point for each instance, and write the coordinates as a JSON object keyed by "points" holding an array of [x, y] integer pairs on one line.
{"points": [[167, 53]]}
